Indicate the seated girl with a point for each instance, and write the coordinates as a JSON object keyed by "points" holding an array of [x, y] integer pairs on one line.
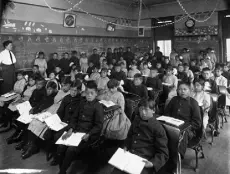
{"points": [[203, 99], [102, 81], [113, 95], [133, 71], [52, 78], [34, 129], [30, 87]]}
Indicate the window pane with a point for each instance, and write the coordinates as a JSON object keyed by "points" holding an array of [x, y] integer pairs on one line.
{"points": [[228, 49]]}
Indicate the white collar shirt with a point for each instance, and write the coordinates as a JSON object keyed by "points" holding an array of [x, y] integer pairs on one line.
{"points": [[5, 57]]}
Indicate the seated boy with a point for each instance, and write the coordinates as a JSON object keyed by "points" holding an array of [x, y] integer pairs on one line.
{"points": [[147, 139], [59, 73], [118, 74], [154, 82], [88, 119], [210, 84], [185, 108], [181, 75], [171, 82]]}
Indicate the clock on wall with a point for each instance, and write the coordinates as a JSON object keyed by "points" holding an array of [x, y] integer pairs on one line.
{"points": [[190, 24], [69, 20]]}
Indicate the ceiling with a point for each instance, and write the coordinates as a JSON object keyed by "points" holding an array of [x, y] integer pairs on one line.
{"points": [[145, 2]]}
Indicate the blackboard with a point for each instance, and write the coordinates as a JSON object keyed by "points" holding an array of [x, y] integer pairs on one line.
{"points": [[26, 46], [196, 44]]}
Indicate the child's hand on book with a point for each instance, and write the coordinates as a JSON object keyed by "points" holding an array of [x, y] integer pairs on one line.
{"points": [[148, 164], [85, 137], [67, 135]]}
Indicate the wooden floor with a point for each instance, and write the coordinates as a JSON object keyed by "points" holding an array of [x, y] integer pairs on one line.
{"points": [[217, 159]]}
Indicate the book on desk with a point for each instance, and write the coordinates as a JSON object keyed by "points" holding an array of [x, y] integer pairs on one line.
{"points": [[171, 121]]}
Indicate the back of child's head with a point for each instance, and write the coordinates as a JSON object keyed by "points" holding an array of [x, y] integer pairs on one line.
{"points": [[170, 68], [91, 85], [148, 103], [112, 83], [76, 84], [52, 85], [66, 80], [52, 75]]}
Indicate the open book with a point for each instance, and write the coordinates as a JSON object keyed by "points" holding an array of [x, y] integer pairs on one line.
{"points": [[171, 121], [9, 94], [42, 116], [149, 89], [73, 140], [127, 162], [107, 103], [55, 123], [25, 118], [24, 108]]}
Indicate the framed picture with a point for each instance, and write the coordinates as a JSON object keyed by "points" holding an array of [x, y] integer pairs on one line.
{"points": [[141, 31], [69, 20], [110, 27]]}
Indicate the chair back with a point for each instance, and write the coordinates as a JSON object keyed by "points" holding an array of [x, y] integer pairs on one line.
{"points": [[173, 134]]}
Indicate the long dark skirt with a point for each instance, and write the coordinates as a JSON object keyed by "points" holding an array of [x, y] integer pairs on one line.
{"points": [[8, 75]]}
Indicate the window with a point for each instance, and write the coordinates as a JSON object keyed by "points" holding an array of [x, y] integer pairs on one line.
{"points": [[228, 49], [165, 47]]}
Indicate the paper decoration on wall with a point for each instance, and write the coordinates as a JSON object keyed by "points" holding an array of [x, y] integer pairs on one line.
{"points": [[47, 39], [54, 40], [38, 39], [69, 20], [21, 38], [29, 39], [205, 30]]}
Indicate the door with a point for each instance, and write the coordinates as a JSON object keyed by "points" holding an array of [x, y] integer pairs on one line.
{"points": [[165, 47]]}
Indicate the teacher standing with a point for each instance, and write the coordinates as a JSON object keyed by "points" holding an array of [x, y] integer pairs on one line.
{"points": [[7, 62]]}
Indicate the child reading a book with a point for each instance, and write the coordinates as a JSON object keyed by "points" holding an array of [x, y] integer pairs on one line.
{"points": [[88, 119], [35, 129], [113, 95], [147, 139], [66, 110]]}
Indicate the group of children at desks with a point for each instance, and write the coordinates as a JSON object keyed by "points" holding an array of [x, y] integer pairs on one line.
{"points": [[119, 98]]}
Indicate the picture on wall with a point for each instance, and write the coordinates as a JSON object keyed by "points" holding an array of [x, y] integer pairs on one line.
{"points": [[69, 20], [141, 31]]}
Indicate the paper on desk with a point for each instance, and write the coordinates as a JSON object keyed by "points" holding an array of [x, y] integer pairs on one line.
{"points": [[9, 94], [73, 140], [42, 116], [128, 162], [25, 118], [55, 123], [170, 120], [24, 108], [107, 103], [149, 89]]}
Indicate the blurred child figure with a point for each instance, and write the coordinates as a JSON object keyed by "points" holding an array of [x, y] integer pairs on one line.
{"points": [[118, 74], [145, 71], [189, 73], [172, 82], [102, 57], [104, 64], [102, 81], [20, 83], [226, 72], [52, 78], [113, 95], [95, 75], [123, 68], [219, 79], [159, 68], [59, 74], [203, 99], [90, 68], [122, 61], [84, 62], [181, 75], [166, 63], [133, 71], [42, 64]]}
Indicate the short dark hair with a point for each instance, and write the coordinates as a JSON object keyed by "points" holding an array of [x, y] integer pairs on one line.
{"points": [[219, 68], [73, 52], [148, 103], [104, 70], [138, 75], [66, 80], [184, 83], [145, 63], [76, 84], [20, 72], [6, 43], [112, 83], [36, 66], [91, 85], [185, 64], [169, 68], [41, 53], [55, 53], [66, 53], [154, 69], [200, 81], [32, 76], [52, 85], [117, 64]]}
